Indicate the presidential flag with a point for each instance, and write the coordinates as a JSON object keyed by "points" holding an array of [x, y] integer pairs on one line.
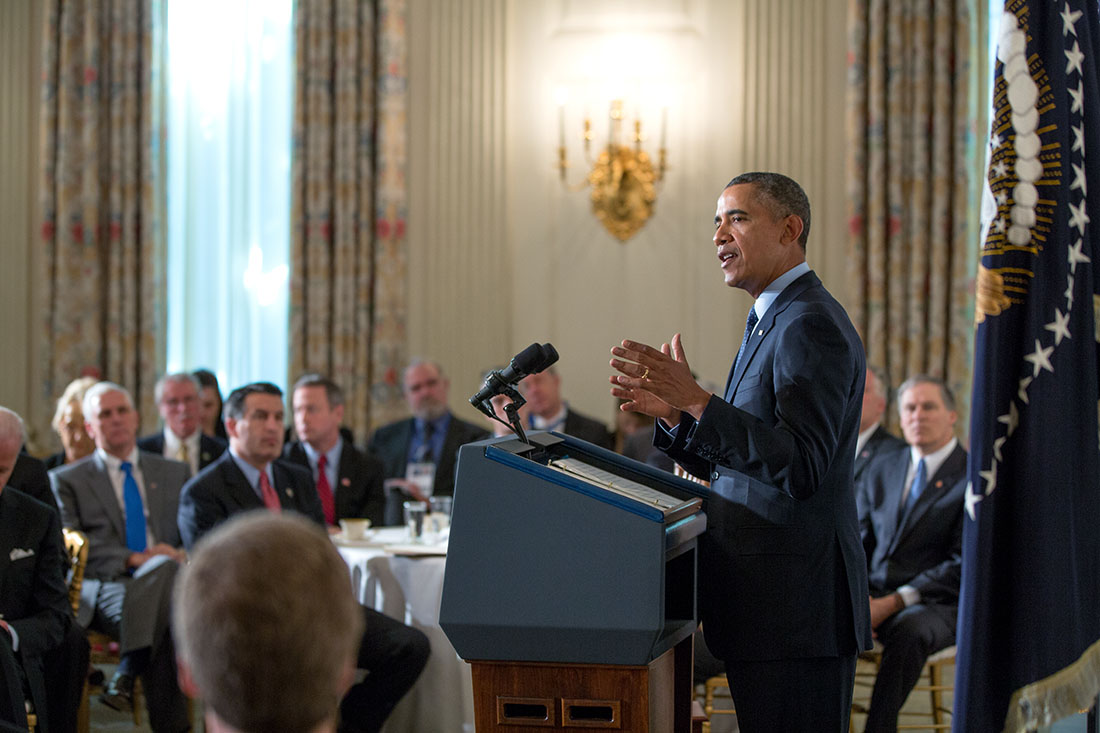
{"points": [[1029, 613]]}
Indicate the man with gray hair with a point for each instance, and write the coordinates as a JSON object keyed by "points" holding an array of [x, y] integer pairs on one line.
{"points": [[126, 502], [250, 581], [419, 452], [182, 439], [34, 607]]}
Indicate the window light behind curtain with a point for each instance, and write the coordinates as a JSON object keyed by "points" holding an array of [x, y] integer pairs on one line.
{"points": [[230, 81]]}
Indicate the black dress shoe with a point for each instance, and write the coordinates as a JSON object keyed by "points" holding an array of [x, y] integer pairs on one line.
{"points": [[119, 693], [96, 678]]}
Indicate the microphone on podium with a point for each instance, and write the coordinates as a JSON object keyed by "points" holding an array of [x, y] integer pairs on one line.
{"points": [[531, 360]]}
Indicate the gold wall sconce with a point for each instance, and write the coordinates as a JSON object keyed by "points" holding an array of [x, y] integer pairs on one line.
{"points": [[623, 178]]}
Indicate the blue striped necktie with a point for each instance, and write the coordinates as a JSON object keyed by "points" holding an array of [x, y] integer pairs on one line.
{"points": [[135, 510], [750, 323], [917, 487]]}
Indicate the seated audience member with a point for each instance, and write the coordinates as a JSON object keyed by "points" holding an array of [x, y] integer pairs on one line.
{"points": [[254, 578], [68, 422], [348, 481], [126, 502], [874, 439], [210, 405], [548, 411], [182, 439], [29, 476], [910, 505], [34, 606], [418, 453], [250, 476]]}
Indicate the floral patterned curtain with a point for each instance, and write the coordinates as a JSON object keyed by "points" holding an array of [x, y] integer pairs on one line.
{"points": [[911, 171], [348, 258], [102, 276]]}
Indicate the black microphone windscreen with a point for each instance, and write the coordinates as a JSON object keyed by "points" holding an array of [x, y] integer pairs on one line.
{"points": [[528, 360]]}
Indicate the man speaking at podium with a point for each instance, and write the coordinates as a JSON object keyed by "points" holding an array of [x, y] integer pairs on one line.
{"points": [[782, 578]]}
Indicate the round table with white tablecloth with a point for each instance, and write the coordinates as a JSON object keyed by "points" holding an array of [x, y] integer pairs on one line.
{"points": [[405, 582]]}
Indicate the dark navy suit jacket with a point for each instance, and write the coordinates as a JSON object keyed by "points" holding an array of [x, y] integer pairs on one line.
{"points": [[782, 573], [923, 548], [358, 490], [391, 444], [221, 490], [209, 448]]}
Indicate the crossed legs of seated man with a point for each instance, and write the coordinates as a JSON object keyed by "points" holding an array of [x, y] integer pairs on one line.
{"points": [[136, 612], [908, 638], [393, 655]]}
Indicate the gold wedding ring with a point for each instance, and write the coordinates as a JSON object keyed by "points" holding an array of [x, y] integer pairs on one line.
{"points": [[645, 374]]}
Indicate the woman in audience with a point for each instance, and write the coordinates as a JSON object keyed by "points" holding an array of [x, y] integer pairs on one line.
{"points": [[68, 422], [210, 404]]}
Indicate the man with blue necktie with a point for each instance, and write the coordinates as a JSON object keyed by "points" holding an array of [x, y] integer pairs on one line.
{"points": [[419, 452], [782, 579], [126, 501], [910, 507]]}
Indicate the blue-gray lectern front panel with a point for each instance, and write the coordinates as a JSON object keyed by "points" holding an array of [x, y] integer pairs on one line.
{"points": [[562, 551]]}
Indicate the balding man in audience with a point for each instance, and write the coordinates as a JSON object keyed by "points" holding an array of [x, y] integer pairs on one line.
{"points": [[179, 402], [910, 505], [348, 481], [251, 476], [126, 502], [548, 411], [419, 452], [874, 439], [34, 606], [254, 578]]}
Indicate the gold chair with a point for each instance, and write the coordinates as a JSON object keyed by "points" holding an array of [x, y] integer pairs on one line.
{"points": [[104, 650], [712, 684], [936, 686]]}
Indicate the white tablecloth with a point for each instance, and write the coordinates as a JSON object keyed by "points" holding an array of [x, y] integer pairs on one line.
{"points": [[409, 588]]}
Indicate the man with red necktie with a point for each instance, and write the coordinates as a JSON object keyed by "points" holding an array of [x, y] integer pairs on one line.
{"points": [[250, 476], [348, 481]]}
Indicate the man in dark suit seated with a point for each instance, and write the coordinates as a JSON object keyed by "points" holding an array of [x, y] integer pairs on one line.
{"points": [[348, 481], [419, 452], [548, 411], [911, 517], [782, 578], [182, 438], [34, 606], [255, 676], [249, 476], [126, 502], [874, 439]]}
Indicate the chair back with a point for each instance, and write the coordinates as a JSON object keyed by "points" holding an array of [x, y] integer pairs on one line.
{"points": [[76, 545]]}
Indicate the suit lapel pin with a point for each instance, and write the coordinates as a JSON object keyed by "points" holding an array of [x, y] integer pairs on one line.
{"points": [[290, 492], [205, 456], [345, 482], [939, 484]]}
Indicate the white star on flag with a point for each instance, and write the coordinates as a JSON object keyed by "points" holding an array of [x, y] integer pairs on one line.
{"points": [[1022, 394], [1078, 96], [990, 477], [1074, 57], [1068, 20], [1012, 419], [1078, 217], [999, 169], [997, 447], [1076, 256], [1001, 197], [972, 499], [1079, 180], [1040, 359], [1059, 327], [1069, 292], [995, 142], [1078, 139]]}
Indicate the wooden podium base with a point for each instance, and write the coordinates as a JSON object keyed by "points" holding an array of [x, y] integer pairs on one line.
{"points": [[518, 696]]}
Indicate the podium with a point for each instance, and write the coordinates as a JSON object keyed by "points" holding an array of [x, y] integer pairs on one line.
{"points": [[570, 586]]}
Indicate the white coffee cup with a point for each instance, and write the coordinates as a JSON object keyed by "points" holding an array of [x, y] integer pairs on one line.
{"points": [[355, 529]]}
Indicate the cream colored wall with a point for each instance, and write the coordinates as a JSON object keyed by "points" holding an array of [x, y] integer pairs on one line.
{"points": [[20, 21], [507, 255], [503, 254]]}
